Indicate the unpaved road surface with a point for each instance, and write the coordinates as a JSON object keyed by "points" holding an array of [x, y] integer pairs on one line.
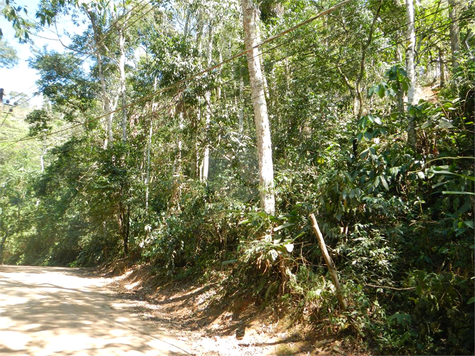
{"points": [[60, 311]]}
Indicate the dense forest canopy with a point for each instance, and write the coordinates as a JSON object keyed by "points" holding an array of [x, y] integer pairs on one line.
{"points": [[199, 136]]}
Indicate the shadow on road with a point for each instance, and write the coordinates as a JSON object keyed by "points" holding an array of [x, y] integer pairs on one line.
{"points": [[46, 311]]}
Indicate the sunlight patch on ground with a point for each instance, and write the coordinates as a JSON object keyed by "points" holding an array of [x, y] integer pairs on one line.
{"points": [[14, 301], [15, 340], [55, 311], [132, 285]]}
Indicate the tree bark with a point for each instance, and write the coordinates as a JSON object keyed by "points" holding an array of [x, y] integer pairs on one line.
{"points": [[2, 244], [264, 143], [209, 59], [106, 102], [410, 51], [122, 83], [359, 101], [454, 32], [442, 68]]}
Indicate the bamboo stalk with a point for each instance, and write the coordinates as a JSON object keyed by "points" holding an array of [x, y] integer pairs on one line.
{"points": [[329, 262]]}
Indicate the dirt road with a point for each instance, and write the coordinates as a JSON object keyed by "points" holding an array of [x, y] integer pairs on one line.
{"points": [[58, 311]]}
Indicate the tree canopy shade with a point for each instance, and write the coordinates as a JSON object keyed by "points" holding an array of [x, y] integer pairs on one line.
{"points": [[200, 135]]}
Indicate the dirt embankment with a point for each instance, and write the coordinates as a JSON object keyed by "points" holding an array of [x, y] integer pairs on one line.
{"points": [[214, 326]]}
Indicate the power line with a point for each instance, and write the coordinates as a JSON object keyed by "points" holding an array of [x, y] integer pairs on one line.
{"points": [[178, 83], [107, 33], [399, 40], [207, 70]]}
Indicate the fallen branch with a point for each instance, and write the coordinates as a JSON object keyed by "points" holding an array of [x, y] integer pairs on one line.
{"points": [[329, 262], [388, 287]]}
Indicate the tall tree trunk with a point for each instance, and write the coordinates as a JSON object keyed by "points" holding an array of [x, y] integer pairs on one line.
{"points": [[264, 143], [441, 68], [4, 239], [147, 174], [410, 50], [149, 149], [2, 245], [43, 154], [241, 104], [106, 102], [122, 83], [187, 23], [205, 164], [400, 91], [178, 164], [454, 32], [359, 101]]}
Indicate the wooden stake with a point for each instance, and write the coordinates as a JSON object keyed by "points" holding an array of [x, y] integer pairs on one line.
{"points": [[329, 262]]}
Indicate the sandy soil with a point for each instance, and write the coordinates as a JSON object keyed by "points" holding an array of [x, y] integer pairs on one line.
{"points": [[65, 311], [216, 325]]}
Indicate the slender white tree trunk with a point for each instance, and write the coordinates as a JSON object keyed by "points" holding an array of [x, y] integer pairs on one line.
{"points": [[410, 50], [122, 83], [106, 102], [241, 105], [441, 68], [178, 165], [454, 32], [149, 151], [147, 176], [43, 154], [205, 165], [264, 143]]}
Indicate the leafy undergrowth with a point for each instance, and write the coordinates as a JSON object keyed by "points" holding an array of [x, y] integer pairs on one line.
{"points": [[213, 321]]}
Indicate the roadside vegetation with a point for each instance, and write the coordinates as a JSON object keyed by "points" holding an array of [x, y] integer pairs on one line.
{"points": [[160, 143]]}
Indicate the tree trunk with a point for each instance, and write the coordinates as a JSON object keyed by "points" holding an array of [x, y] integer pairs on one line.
{"points": [[106, 103], [359, 100], [178, 165], [400, 91], [410, 50], [43, 154], [2, 244], [241, 105], [454, 32], [264, 143], [205, 164], [122, 83], [442, 68], [147, 174], [97, 34]]}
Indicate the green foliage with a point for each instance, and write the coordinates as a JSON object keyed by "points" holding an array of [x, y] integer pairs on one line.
{"points": [[8, 55], [397, 221], [64, 83]]}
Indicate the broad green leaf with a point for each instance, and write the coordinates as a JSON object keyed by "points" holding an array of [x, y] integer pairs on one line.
{"points": [[384, 182], [283, 226], [472, 178], [376, 182], [458, 193], [445, 124], [469, 223]]}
